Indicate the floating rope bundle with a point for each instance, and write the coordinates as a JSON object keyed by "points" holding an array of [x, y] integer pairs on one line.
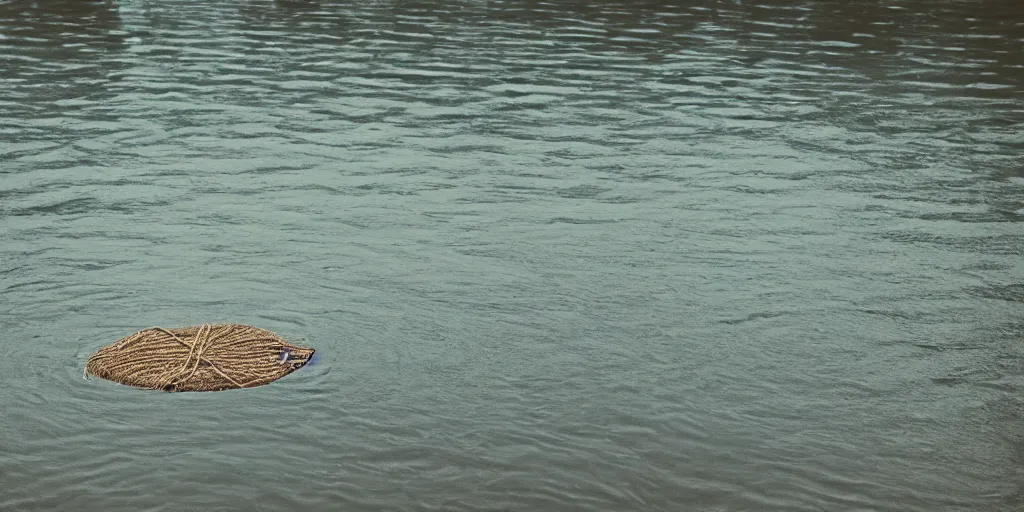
{"points": [[198, 358]]}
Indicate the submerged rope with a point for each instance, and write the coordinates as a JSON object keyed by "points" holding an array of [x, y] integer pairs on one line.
{"points": [[198, 358]]}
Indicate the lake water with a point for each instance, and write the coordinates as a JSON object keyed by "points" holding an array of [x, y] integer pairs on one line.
{"points": [[555, 256]]}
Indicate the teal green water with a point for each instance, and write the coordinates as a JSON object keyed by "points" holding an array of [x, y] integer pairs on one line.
{"points": [[553, 256]]}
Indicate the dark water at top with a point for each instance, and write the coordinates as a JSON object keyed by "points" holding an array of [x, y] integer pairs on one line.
{"points": [[556, 256]]}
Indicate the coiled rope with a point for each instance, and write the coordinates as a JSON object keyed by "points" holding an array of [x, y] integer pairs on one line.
{"points": [[198, 358]]}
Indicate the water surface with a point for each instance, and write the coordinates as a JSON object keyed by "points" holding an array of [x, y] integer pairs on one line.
{"points": [[554, 256]]}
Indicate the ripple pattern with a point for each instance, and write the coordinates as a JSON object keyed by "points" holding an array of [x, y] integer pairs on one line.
{"points": [[574, 255]]}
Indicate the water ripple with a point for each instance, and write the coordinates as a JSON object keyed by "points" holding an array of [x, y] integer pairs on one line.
{"points": [[585, 255]]}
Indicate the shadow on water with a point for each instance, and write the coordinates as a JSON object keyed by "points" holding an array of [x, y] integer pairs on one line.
{"points": [[970, 44], [56, 57], [58, 43], [302, 21]]}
